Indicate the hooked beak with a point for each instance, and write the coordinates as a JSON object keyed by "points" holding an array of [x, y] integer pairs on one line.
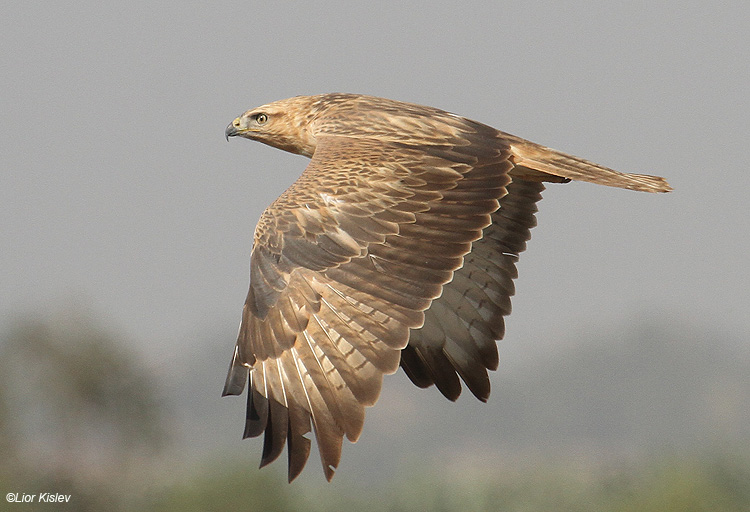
{"points": [[233, 129]]}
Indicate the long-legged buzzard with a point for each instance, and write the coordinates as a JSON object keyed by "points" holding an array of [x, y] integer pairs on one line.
{"points": [[396, 246]]}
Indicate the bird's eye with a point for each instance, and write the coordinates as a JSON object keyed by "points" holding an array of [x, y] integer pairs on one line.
{"points": [[261, 118]]}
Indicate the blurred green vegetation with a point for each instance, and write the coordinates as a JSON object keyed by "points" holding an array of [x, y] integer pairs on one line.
{"points": [[225, 486], [669, 484], [82, 415]]}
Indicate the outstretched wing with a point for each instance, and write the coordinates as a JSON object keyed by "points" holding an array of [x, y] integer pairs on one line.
{"points": [[344, 264], [462, 325]]}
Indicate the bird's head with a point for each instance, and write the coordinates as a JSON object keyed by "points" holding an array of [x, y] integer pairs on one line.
{"points": [[293, 124], [283, 124]]}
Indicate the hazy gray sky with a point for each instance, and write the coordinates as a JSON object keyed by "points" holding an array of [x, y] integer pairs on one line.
{"points": [[117, 188]]}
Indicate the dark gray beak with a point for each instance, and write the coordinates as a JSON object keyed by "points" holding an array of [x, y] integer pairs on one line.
{"points": [[231, 131]]}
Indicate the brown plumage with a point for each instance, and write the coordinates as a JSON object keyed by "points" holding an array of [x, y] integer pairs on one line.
{"points": [[396, 246]]}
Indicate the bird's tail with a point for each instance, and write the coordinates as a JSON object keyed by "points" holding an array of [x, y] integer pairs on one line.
{"points": [[540, 163]]}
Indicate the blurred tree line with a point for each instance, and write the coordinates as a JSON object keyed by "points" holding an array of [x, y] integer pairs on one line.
{"points": [[79, 412], [82, 414]]}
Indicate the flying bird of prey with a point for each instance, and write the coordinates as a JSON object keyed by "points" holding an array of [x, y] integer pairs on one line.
{"points": [[395, 247]]}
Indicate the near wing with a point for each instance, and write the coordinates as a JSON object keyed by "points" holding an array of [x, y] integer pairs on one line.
{"points": [[344, 264]]}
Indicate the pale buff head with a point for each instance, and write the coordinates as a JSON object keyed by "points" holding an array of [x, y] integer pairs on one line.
{"points": [[283, 124], [293, 124]]}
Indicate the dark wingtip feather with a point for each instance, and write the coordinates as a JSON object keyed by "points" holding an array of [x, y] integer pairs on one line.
{"points": [[477, 380], [276, 431], [414, 368], [426, 367], [298, 445], [256, 417], [236, 377], [444, 374]]}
